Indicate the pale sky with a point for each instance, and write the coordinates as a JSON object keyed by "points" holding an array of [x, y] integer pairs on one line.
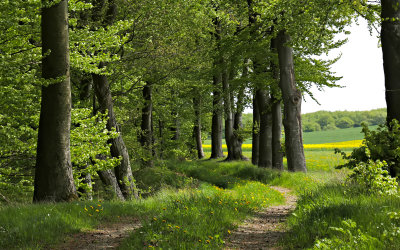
{"points": [[363, 78]]}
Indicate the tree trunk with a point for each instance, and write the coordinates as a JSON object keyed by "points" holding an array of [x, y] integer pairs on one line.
{"points": [[197, 127], [216, 125], [110, 182], [390, 35], [233, 145], [277, 156], [292, 106], [86, 179], [265, 130], [146, 138], [255, 132], [53, 176], [237, 118], [123, 172]]}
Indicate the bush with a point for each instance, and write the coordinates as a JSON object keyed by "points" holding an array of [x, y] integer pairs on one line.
{"points": [[344, 122], [371, 177], [311, 127], [382, 144]]}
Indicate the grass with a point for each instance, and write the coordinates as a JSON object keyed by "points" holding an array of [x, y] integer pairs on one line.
{"points": [[336, 217], [338, 135], [196, 204], [199, 215], [328, 136]]}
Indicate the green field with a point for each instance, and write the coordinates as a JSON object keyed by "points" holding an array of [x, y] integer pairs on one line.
{"points": [[318, 137]]}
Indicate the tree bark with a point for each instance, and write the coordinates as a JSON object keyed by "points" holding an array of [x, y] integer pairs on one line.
{"points": [[277, 155], [233, 144], [255, 132], [216, 123], [123, 172], [110, 182], [216, 126], [265, 132], [146, 138], [390, 35], [197, 127], [53, 176], [292, 106]]}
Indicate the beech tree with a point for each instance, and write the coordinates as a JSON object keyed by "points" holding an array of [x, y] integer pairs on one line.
{"points": [[53, 176], [390, 36]]}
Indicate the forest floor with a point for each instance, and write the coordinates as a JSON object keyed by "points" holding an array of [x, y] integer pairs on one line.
{"points": [[261, 231], [266, 228]]}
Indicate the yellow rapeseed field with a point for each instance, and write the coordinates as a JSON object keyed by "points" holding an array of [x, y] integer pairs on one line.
{"points": [[333, 145]]}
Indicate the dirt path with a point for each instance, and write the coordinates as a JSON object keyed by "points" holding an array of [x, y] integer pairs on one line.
{"points": [[106, 236], [266, 228]]}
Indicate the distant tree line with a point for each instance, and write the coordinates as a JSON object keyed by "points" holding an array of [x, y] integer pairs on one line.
{"points": [[326, 120]]}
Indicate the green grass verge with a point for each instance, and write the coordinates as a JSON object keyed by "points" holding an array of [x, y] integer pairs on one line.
{"points": [[336, 217]]}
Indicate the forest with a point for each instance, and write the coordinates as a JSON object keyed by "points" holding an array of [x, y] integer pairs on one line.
{"points": [[122, 125]]}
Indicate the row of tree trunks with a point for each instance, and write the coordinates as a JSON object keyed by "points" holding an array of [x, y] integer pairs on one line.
{"points": [[53, 175], [291, 96], [123, 172]]}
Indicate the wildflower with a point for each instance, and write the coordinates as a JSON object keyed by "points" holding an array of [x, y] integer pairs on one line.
{"points": [[97, 210], [185, 231], [177, 227], [90, 215], [154, 218], [91, 207], [163, 208], [208, 241], [164, 221], [199, 240], [212, 212], [229, 231], [98, 205], [85, 209], [210, 237]]}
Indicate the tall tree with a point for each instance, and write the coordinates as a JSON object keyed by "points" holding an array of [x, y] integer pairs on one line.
{"points": [[216, 123], [291, 96], [390, 36], [53, 176], [277, 155]]}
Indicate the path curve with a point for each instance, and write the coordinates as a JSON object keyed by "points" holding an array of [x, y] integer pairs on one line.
{"points": [[266, 228]]}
